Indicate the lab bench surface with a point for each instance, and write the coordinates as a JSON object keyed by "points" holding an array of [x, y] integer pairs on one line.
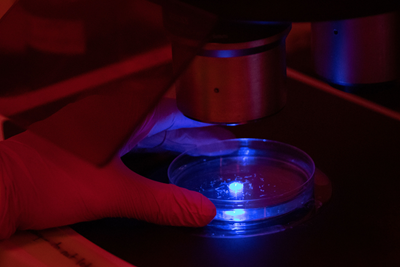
{"points": [[358, 149]]}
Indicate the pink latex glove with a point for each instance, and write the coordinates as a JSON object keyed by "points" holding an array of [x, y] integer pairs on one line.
{"points": [[43, 186]]}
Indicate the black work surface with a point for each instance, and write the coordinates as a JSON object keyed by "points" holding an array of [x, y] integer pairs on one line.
{"points": [[356, 148]]}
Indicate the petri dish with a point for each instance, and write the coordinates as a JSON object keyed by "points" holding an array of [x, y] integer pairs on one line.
{"points": [[258, 186]]}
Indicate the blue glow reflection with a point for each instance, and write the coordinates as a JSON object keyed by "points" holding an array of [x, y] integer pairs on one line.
{"points": [[234, 215], [235, 212]]}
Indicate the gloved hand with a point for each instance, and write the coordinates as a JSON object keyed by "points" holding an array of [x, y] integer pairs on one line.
{"points": [[43, 186]]}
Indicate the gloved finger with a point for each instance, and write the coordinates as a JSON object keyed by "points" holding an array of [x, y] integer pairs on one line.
{"points": [[220, 148], [181, 140], [165, 116], [169, 117]]}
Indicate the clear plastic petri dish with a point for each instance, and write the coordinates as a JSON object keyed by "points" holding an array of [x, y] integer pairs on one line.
{"points": [[258, 186]]}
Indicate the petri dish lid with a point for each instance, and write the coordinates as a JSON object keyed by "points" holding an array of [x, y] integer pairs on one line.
{"points": [[248, 180]]}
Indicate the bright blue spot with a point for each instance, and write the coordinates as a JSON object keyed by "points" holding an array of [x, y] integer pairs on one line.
{"points": [[235, 212], [235, 187]]}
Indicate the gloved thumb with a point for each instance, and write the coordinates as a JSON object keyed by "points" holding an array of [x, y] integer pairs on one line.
{"points": [[155, 202]]}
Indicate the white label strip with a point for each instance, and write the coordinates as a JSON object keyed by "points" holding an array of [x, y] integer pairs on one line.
{"points": [[61, 247]]}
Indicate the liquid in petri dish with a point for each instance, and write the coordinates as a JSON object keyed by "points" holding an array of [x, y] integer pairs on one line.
{"points": [[244, 178]]}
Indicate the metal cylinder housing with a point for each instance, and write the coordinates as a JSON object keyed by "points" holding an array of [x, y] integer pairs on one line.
{"points": [[237, 77]]}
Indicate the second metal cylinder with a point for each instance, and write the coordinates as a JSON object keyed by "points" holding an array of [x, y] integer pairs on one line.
{"points": [[356, 52]]}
